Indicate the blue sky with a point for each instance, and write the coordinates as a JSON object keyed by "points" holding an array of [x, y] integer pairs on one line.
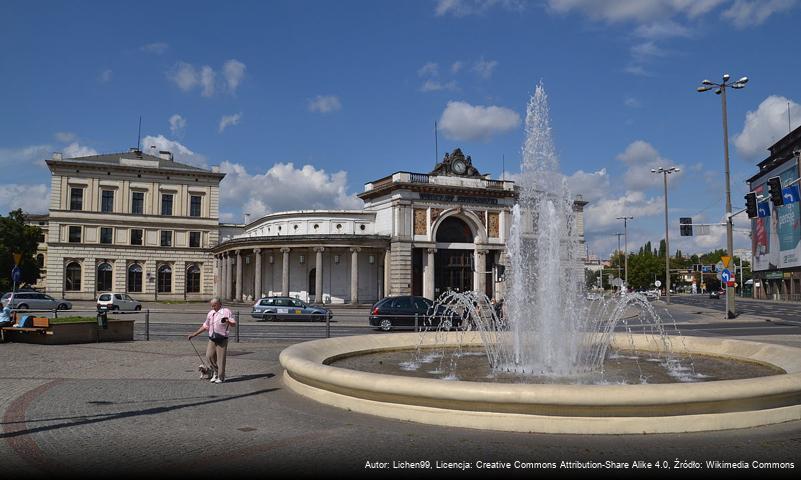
{"points": [[303, 102]]}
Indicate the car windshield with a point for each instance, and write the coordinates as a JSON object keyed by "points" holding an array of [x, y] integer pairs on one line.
{"points": [[105, 298]]}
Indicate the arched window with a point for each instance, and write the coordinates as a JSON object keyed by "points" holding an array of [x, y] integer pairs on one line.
{"points": [[193, 279], [164, 279], [72, 277], [104, 272], [454, 230], [40, 260], [135, 278]]}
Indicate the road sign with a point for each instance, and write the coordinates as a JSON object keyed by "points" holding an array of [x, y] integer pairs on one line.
{"points": [[725, 260], [17, 258], [719, 266], [658, 284], [725, 276], [16, 274]]}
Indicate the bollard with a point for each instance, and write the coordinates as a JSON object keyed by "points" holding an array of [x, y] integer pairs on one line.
{"points": [[328, 325], [55, 312], [416, 325], [236, 316], [147, 324]]}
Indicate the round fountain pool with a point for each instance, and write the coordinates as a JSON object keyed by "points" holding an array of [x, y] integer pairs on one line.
{"points": [[311, 369]]}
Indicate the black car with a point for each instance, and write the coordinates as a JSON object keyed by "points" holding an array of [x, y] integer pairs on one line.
{"points": [[714, 294], [404, 311]]}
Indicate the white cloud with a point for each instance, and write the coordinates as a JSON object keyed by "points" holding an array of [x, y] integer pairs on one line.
{"points": [[229, 120], [461, 8], [157, 48], [456, 66], [25, 155], [324, 104], [430, 69], [602, 214], [435, 86], [207, 77], [640, 157], [637, 70], [462, 121], [234, 72], [748, 13], [484, 68], [661, 30], [277, 189], [30, 198], [65, 136], [765, 126], [593, 186], [180, 152], [177, 124], [74, 150], [105, 76], [631, 102], [634, 10], [645, 50], [184, 75]]}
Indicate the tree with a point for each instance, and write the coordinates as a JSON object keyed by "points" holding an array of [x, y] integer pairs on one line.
{"points": [[17, 237]]}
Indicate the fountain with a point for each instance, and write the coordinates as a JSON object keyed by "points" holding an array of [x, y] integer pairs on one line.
{"points": [[552, 347]]}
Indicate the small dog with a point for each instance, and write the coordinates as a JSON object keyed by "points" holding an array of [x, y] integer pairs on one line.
{"points": [[205, 372]]}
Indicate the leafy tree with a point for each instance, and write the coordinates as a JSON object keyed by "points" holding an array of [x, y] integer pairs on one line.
{"points": [[17, 237]]}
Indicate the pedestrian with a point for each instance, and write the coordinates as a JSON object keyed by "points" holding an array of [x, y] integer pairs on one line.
{"points": [[6, 319], [217, 323]]}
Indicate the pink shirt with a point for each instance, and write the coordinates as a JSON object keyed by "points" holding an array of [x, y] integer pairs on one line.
{"points": [[214, 323]]}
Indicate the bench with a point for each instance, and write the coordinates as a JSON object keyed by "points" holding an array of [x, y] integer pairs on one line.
{"points": [[40, 325]]}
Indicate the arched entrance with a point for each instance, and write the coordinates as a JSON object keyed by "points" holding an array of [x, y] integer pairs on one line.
{"points": [[453, 265]]}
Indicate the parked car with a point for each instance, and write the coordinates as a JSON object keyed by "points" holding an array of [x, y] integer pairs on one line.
{"points": [[394, 312], [592, 296], [32, 300], [121, 302], [287, 308], [714, 294], [652, 294]]}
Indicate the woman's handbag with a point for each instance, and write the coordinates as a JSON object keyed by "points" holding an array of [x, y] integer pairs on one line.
{"points": [[219, 338]]}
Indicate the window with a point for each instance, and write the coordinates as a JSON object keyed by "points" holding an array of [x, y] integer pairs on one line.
{"points": [[135, 278], [138, 203], [104, 273], [72, 277], [75, 234], [194, 239], [41, 238], [164, 279], [267, 301], [76, 198], [194, 205], [40, 260], [166, 204], [193, 279], [107, 201], [136, 236], [106, 234], [166, 238]]}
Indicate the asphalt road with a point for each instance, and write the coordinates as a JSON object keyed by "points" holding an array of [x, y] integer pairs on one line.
{"points": [[787, 312]]}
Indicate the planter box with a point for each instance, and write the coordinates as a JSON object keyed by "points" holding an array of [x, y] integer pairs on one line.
{"points": [[67, 333]]}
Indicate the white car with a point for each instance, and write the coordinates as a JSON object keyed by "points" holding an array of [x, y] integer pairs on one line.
{"points": [[118, 302]]}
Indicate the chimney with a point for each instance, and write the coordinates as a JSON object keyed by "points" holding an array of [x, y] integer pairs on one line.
{"points": [[58, 156], [165, 155]]}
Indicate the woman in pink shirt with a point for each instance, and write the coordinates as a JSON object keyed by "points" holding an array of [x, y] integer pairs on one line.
{"points": [[217, 322]]}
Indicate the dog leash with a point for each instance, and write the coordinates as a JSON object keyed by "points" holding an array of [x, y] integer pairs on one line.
{"points": [[198, 353]]}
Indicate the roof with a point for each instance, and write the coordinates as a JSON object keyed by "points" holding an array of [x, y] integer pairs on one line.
{"points": [[133, 159]]}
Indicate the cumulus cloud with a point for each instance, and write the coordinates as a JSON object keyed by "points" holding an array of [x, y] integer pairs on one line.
{"points": [[593, 186], [461, 8], [65, 136], [640, 157], [234, 72], [184, 75], [456, 66], [25, 155], [187, 77], [207, 77], [284, 187], [602, 214], [748, 13], [430, 69], [180, 152], [177, 124], [766, 125], [634, 10], [431, 85], [74, 150], [462, 121], [157, 48], [229, 120], [30, 198], [484, 68], [324, 104]]}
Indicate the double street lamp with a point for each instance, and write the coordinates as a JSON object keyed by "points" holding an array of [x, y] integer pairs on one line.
{"points": [[665, 172], [720, 89], [626, 248]]}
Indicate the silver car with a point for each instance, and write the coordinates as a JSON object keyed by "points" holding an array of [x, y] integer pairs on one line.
{"points": [[36, 301], [118, 302]]}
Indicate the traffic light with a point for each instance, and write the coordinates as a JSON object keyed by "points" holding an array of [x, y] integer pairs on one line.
{"points": [[775, 189], [751, 204], [686, 226]]}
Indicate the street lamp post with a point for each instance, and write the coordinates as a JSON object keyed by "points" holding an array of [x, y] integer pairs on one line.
{"points": [[618, 235], [707, 85], [626, 249], [665, 172]]}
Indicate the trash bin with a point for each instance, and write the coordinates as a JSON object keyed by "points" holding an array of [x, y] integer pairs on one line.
{"points": [[102, 316]]}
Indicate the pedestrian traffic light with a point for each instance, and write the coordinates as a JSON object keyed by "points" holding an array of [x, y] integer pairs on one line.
{"points": [[751, 204], [686, 226], [775, 190]]}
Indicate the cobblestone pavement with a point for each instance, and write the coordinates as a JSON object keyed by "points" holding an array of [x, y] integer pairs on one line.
{"points": [[139, 408]]}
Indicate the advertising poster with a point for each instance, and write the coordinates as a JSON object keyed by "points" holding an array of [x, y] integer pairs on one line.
{"points": [[776, 239]]}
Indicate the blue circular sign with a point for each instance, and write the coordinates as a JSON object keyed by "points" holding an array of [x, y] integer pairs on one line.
{"points": [[16, 274], [725, 275]]}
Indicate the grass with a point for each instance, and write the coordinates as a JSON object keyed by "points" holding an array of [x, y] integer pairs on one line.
{"points": [[63, 320]]}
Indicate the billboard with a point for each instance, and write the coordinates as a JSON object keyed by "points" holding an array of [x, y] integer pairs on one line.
{"points": [[776, 239]]}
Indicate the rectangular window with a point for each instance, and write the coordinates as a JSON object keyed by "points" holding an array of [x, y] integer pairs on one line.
{"points": [[76, 198], [194, 205], [138, 203], [107, 201], [166, 238], [75, 234], [166, 204], [136, 236], [194, 239], [106, 234]]}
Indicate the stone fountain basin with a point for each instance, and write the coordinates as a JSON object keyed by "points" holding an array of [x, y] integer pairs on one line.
{"points": [[551, 408]]}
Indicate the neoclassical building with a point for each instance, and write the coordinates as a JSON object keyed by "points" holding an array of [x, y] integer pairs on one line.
{"points": [[418, 233]]}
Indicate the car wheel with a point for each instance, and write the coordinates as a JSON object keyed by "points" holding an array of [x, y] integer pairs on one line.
{"points": [[22, 306], [386, 325], [61, 306], [270, 318], [317, 318], [137, 308]]}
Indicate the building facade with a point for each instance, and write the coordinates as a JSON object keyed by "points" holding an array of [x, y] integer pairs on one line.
{"points": [[776, 238], [40, 221], [131, 222]]}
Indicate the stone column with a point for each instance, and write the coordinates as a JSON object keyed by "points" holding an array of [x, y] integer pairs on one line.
{"points": [[239, 275], [225, 278], [318, 274], [230, 285], [428, 274], [257, 274], [285, 273], [354, 275], [217, 277], [480, 275], [387, 273]]}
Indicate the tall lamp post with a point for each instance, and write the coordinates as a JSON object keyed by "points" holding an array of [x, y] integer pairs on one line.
{"points": [[625, 249], [665, 172], [618, 235], [707, 85]]}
